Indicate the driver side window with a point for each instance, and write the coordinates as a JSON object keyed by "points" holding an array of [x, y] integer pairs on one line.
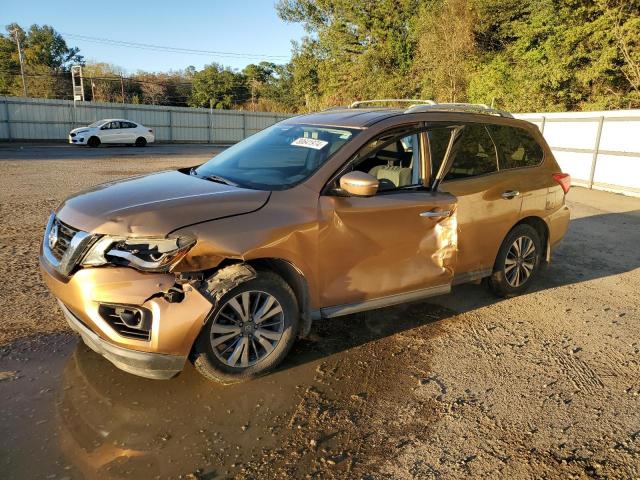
{"points": [[394, 160]]}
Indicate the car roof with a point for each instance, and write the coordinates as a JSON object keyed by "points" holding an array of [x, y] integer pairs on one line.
{"points": [[365, 117], [346, 117], [116, 120]]}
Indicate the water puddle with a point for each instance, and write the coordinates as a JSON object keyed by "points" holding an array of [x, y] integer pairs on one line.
{"points": [[68, 413]]}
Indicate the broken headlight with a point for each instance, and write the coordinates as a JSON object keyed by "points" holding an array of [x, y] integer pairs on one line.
{"points": [[147, 254]]}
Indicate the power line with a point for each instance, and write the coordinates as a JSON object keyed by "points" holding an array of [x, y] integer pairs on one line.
{"points": [[170, 49]]}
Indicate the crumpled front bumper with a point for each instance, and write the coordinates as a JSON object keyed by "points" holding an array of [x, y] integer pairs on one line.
{"points": [[174, 326], [157, 366]]}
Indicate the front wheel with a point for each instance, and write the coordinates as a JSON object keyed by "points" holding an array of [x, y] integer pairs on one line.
{"points": [[249, 332], [517, 262], [93, 142], [141, 142]]}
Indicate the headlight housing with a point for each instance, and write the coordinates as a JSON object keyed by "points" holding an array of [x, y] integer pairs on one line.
{"points": [[146, 254]]}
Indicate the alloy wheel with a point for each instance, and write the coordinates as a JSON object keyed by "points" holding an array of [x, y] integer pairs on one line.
{"points": [[520, 261], [247, 328]]}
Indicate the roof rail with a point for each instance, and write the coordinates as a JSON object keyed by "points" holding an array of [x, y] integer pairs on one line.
{"points": [[392, 100], [458, 107]]}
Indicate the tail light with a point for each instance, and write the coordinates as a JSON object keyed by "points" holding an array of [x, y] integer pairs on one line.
{"points": [[150, 131], [564, 180]]}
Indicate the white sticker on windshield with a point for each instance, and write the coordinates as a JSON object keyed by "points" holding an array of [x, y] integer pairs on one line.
{"points": [[309, 143]]}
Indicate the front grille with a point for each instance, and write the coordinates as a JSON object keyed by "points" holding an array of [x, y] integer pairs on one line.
{"points": [[65, 235], [130, 322]]}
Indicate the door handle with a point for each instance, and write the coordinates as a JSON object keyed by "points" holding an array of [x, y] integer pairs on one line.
{"points": [[509, 194], [436, 213]]}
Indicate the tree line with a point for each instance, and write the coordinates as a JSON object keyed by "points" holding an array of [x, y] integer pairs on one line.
{"points": [[520, 55]]}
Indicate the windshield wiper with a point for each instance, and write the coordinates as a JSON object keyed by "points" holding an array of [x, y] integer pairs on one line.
{"points": [[219, 179]]}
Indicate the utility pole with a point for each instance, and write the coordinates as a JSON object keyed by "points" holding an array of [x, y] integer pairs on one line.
{"points": [[16, 32], [122, 87]]}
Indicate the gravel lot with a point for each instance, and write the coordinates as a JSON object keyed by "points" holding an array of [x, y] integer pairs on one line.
{"points": [[546, 385]]}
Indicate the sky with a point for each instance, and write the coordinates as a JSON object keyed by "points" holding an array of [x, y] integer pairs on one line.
{"points": [[249, 27]]}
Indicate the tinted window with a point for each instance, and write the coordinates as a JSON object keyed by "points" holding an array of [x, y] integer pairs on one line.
{"points": [[516, 146], [474, 154], [278, 156]]}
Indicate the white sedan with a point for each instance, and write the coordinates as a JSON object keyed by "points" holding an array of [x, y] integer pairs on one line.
{"points": [[112, 130]]}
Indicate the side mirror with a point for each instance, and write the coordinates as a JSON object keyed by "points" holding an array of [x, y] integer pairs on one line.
{"points": [[359, 184]]}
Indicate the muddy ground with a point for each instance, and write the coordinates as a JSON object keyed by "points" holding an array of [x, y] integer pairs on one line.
{"points": [[546, 385]]}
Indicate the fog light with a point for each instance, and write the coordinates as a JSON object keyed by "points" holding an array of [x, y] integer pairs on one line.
{"points": [[128, 321]]}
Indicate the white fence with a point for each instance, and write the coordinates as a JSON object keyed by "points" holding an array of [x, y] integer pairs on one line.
{"points": [[41, 119], [599, 149]]}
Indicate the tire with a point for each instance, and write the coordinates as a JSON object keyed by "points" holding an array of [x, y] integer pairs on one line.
{"points": [[217, 362], [141, 142], [513, 273], [93, 142]]}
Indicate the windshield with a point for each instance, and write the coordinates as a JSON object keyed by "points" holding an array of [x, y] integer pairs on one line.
{"points": [[277, 157], [96, 124]]}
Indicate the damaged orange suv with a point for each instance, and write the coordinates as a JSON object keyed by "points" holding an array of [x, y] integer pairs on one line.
{"points": [[318, 216]]}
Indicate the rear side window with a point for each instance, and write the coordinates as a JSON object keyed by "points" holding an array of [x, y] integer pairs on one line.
{"points": [[474, 154], [516, 146]]}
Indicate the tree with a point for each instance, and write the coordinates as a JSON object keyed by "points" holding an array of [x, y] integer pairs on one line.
{"points": [[219, 87], [362, 49], [549, 55], [47, 59], [270, 87], [102, 82], [446, 50]]}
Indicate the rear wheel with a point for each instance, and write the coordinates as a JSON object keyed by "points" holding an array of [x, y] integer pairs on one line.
{"points": [[141, 142], [250, 331], [517, 262], [93, 142]]}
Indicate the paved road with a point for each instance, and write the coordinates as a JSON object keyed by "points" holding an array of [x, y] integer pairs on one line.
{"points": [[63, 151]]}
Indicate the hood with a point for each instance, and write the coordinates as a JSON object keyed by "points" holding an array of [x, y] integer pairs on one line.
{"points": [[80, 129], [156, 204]]}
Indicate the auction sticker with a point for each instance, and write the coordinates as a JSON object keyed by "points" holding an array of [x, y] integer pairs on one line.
{"points": [[309, 143]]}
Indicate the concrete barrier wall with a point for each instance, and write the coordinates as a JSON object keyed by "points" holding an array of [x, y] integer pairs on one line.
{"points": [[599, 149], [42, 119]]}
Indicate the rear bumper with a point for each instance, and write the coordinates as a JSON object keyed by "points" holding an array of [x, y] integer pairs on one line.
{"points": [[157, 366], [558, 223]]}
